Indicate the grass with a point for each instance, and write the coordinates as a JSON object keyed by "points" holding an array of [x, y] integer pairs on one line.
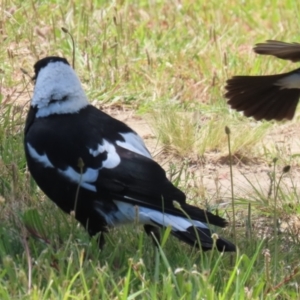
{"points": [[168, 61], [202, 131]]}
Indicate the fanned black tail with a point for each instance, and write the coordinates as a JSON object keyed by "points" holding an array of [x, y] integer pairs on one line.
{"points": [[194, 234], [264, 97]]}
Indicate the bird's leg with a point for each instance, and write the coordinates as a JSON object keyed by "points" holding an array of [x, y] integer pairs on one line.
{"points": [[101, 240]]}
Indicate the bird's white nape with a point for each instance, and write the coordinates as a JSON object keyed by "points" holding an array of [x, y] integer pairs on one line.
{"points": [[58, 90]]}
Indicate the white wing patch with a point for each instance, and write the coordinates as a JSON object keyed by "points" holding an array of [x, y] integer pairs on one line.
{"points": [[112, 160], [84, 179], [289, 82], [176, 222], [129, 213], [43, 159], [134, 143], [87, 178]]}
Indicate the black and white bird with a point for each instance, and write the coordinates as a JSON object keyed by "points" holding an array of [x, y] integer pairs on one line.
{"points": [[268, 96], [96, 166]]}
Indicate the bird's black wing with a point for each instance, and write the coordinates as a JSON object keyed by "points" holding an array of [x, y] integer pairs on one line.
{"points": [[288, 51], [138, 179]]}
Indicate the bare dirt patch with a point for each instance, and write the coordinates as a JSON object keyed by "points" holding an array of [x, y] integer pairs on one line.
{"points": [[213, 172], [252, 177]]}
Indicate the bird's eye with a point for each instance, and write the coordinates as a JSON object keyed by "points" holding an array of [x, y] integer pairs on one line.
{"points": [[54, 100]]}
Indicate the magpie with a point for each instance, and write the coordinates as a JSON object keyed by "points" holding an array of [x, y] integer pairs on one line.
{"points": [[99, 169], [268, 96]]}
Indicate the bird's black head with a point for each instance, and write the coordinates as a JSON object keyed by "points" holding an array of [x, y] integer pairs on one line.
{"points": [[42, 63]]}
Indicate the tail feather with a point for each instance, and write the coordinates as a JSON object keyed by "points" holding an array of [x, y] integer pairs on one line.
{"points": [[263, 97], [194, 234], [190, 231], [196, 213]]}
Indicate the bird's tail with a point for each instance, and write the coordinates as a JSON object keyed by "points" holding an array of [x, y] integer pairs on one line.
{"points": [[264, 97], [192, 232], [190, 225], [194, 235]]}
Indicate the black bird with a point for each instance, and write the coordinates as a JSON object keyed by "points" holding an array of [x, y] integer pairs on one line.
{"points": [[96, 166], [268, 96]]}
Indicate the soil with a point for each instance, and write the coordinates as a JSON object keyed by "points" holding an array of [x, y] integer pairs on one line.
{"points": [[214, 171], [252, 178]]}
